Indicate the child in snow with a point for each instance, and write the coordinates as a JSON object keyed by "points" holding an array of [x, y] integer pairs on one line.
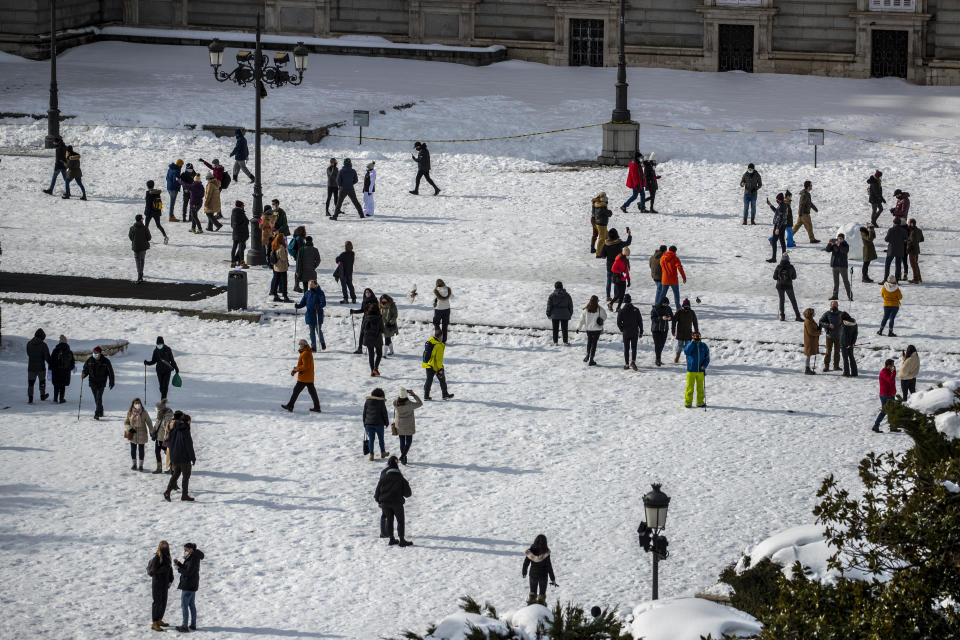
{"points": [[537, 561]]}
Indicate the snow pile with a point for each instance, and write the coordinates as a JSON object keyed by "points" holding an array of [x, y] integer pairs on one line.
{"points": [[935, 399], [952, 487], [806, 544], [948, 424], [689, 619], [525, 621]]}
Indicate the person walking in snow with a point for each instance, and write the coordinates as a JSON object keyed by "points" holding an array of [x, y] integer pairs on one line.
{"points": [[432, 361], [779, 225], [651, 180], [404, 420], [698, 359], [138, 426], [661, 317], [280, 264], [656, 272], [160, 570], [896, 239], [346, 178], [875, 196], [390, 495], [751, 183], [294, 249], [593, 224], [670, 266], [536, 560], [344, 272], [162, 357], [194, 189], [635, 183], [304, 373], [74, 173], [630, 323], [140, 242], [909, 369], [173, 187], [559, 310], [388, 313], [59, 165], [373, 337], [591, 320], [867, 236], [613, 246], [240, 154], [831, 322], [888, 391], [280, 223], [839, 251], [367, 300], [38, 359], [891, 295], [788, 229], [189, 584], [423, 168], [375, 420], [784, 275], [811, 341], [314, 301], [914, 238], [332, 188], [369, 187], [62, 364], [158, 433], [211, 202], [683, 326], [153, 209], [442, 295], [240, 224], [848, 340], [601, 216], [803, 212], [900, 210], [621, 278], [187, 177], [100, 371]]}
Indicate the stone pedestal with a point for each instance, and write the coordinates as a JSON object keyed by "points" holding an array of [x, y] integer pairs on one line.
{"points": [[620, 141]]}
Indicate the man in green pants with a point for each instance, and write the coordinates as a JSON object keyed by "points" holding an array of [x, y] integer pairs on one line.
{"points": [[698, 358]]}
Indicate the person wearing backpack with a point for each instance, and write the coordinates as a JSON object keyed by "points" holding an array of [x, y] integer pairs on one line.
{"points": [[661, 316], [784, 275], [160, 570], [166, 366], [62, 364], [74, 173], [140, 242], [219, 172], [630, 323], [591, 320], [432, 361], [559, 310], [279, 262], [153, 208]]}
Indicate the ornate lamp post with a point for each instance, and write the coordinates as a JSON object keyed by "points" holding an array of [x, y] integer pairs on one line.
{"points": [[655, 505], [53, 112], [620, 135], [254, 67]]}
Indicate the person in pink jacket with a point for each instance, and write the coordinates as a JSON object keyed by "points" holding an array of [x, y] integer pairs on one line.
{"points": [[635, 182], [888, 390]]}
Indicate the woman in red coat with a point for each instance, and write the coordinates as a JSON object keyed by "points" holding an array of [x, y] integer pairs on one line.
{"points": [[636, 183], [888, 390], [621, 278]]}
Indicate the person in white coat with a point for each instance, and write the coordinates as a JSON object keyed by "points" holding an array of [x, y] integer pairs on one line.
{"points": [[591, 320], [369, 186]]}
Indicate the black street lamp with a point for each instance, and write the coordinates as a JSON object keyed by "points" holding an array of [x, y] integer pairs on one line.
{"points": [[254, 67], [620, 111], [53, 112], [655, 506], [621, 136]]}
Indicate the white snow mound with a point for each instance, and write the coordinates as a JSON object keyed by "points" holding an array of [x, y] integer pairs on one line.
{"points": [[456, 626], [689, 619], [804, 543], [529, 618], [934, 399]]}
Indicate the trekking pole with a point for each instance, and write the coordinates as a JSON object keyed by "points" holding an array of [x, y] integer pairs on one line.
{"points": [[80, 401], [704, 390], [144, 385], [296, 314], [354, 329]]}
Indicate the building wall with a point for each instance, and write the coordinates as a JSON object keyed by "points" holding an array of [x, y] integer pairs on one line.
{"points": [[815, 25], [31, 17], [664, 23], [946, 30], [376, 17], [226, 14], [529, 20]]}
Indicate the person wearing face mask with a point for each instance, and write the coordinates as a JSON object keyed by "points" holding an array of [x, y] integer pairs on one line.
{"points": [[100, 371], [137, 424], [160, 569], [163, 358], [189, 584], [751, 183]]}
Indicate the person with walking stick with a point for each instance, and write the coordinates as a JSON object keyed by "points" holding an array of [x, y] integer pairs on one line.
{"points": [[698, 359], [163, 358]]}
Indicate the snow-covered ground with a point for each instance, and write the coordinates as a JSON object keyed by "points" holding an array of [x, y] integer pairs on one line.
{"points": [[534, 441]]}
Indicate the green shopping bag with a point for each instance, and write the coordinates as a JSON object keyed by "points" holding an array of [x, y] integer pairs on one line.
{"points": [[177, 382]]}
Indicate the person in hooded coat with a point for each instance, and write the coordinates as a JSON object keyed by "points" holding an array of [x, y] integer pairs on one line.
{"points": [[160, 570], [59, 164], [304, 373], [189, 584], [848, 340], [308, 262], [902, 208], [373, 336], [38, 359], [158, 433], [375, 420], [162, 357], [314, 301], [656, 272], [388, 311], [559, 310], [391, 494], [651, 180], [811, 341], [138, 425], [591, 320], [173, 187], [346, 178], [62, 364], [182, 457], [100, 371], [74, 173], [404, 419], [661, 317], [184, 178], [909, 369], [536, 559], [280, 264], [367, 301], [671, 270], [784, 275], [779, 226], [240, 154], [211, 203], [442, 295], [613, 246], [630, 323], [621, 278], [423, 168], [636, 184], [344, 272], [153, 209], [891, 295], [139, 237], [240, 224], [193, 188]]}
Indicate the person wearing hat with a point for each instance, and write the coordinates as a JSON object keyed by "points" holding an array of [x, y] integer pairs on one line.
{"points": [[612, 248], [559, 310], [219, 172], [621, 277], [240, 224], [62, 364], [875, 196], [332, 189], [59, 165], [751, 183], [601, 216], [839, 251], [897, 238], [891, 295], [683, 326], [189, 584], [650, 179], [240, 154], [182, 456], [346, 178], [661, 316], [432, 361], [630, 323], [698, 359], [304, 373], [369, 187], [100, 371], [404, 419], [423, 168], [153, 208], [867, 236], [38, 359], [163, 359], [313, 301], [803, 212], [902, 208], [779, 225], [267, 224], [140, 242], [390, 495]]}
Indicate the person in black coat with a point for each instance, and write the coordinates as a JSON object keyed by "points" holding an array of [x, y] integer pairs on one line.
{"points": [[537, 560], [153, 208], [182, 457], [896, 239], [839, 250], [784, 275], [650, 179], [390, 494], [875, 196], [372, 330], [139, 241], [344, 272], [38, 359], [62, 364], [423, 168], [160, 569], [100, 371], [559, 310], [346, 178], [848, 340], [831, 323], [375, 419], [661, 317], [189, 583], [166, 365], [332, 190], [630, 323], [369, 298], [59, 166], [240, 224]]}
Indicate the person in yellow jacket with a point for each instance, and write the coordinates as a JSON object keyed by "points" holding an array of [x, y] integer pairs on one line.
{"points": [[433, 362], [891, 294], [304, 373]]}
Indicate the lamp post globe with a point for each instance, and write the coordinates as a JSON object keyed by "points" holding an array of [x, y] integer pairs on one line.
{"points": [[655, 505], [216, 53], [300, 57]]}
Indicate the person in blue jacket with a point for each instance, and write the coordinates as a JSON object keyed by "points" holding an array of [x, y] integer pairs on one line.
{"points": [[173, 187], [314, 300], [698, 359], [240, 154]]}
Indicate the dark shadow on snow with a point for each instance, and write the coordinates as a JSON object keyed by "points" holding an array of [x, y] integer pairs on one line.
{"points": [[22, 449], [266, 632], [472, 540], [474, 467]]}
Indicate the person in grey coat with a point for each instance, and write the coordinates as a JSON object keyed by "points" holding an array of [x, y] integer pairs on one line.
{"points": [[559, 310], [332, 189], [308, 263], [404, 420], [896, 240], [346, 178]]}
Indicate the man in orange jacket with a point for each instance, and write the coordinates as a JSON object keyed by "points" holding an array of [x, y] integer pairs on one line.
{"points": [[669, 266], [304, 373]]}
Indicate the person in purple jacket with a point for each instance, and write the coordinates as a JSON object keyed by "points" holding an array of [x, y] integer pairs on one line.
{"points": [[195, 192]]}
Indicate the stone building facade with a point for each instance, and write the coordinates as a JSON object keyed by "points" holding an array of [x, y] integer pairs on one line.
{"points": [[915, 39]]}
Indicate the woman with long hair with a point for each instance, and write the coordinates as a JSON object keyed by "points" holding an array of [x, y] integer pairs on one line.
{"points": [[372, 332], [369, 297], [388, 311], [537, 560], [160, 570], [908, 371], [591, 320], [137, 424]]}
